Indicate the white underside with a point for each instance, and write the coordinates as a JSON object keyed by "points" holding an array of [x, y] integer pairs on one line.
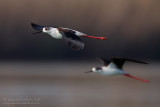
{"points": [[111, 70], [57, 36], [55, 33]]}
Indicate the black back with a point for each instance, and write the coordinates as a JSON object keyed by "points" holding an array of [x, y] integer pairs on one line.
{"points": [[119, 62]]}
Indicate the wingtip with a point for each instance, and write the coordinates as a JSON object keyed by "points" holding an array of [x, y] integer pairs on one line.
{"points": [[145, 62], [33, 24], [130, 59], [36, 26]]}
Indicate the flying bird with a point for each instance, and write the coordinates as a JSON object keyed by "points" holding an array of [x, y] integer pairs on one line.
{"points": [[72, 37], [114, 66]]}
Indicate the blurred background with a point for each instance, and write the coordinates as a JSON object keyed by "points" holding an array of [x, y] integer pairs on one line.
{"points": [[41, 68]]}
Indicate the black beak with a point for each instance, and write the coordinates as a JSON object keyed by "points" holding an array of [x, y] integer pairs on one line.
{"points": [[88, 71], [37, 32]]}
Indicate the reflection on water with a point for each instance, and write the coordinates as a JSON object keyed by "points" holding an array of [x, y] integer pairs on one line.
{"points": [[63, 84]]}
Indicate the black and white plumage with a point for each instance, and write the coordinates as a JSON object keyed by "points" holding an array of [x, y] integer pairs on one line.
{"points": [[113, 66], [69, 35], [118, 61]]}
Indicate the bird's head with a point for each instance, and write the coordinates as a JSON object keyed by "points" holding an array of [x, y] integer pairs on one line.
{"points": [[95, 69], [46, 29]]}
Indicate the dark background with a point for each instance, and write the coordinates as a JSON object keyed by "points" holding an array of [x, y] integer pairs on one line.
{"points": [[133, 28]]}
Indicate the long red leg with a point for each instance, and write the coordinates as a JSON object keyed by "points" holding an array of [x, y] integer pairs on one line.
{"points": [[128, 75], [102, 38]]}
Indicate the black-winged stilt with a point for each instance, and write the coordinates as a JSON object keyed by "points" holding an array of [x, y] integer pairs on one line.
{"points": [[114, 67], [71, 36]]}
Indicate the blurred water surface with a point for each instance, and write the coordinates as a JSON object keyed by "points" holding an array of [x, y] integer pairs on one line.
{"points": [[64, 84]]}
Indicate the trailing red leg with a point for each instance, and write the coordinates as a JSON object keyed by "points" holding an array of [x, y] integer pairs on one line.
{"points": [[128, 75], [102, 38]]}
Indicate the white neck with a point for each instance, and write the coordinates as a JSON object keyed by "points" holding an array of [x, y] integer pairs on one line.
{"points": [[54, 32]]}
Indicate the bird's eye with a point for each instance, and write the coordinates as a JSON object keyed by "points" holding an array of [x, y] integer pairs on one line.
{"points": [[47, 28]]}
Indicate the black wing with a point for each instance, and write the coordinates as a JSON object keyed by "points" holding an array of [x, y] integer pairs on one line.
{"points": [[119, 62], [106, 62], [72, 40], [37, 27]]}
